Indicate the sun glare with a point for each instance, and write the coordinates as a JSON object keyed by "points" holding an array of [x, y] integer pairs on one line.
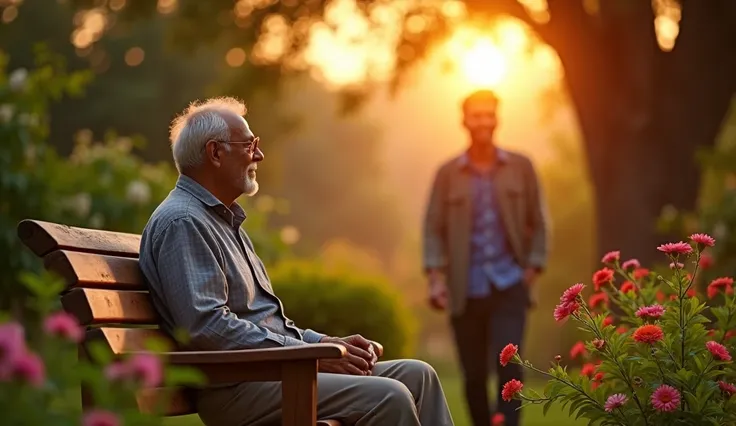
{"points": [[484, 64]]}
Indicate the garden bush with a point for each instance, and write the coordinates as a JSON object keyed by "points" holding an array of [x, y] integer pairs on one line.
{"points": [[662, 362], [342, 302]]}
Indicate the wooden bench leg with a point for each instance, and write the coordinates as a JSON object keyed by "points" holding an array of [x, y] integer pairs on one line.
{"points": [[299, 393]]}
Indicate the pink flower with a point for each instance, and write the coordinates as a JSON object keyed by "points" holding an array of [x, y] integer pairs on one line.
{"points": [[100, 418], [665, 398], [631, 264], [63, 325], [29, 368], [678, 265], [571, 294], [675, 248], [611, 257], [654, 311], [141, 367], [615, 401], [564, 310], [703, 239], [12, 347], [718, 350], [728, 389], [147, 368]]}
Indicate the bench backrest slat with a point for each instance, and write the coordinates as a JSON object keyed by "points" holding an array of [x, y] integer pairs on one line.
{"points": [[44, 237], [89, 270], [93, 306]]}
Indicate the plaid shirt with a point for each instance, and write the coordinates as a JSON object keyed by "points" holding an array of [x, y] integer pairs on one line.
{"points": [[205, 278]]}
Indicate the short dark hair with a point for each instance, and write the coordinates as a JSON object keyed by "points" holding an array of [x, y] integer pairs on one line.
{"points": [[480, 95]]}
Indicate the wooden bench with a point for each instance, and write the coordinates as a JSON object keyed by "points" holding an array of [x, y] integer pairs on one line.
{"points": [[107, 293]]}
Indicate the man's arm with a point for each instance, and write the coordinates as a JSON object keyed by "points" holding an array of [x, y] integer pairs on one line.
{"points": [[435, 256], [195, 289], [309, 336], [537, 220]]}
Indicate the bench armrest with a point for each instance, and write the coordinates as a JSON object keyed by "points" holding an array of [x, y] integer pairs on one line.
{"points": [[290, 353], [255, 365]]}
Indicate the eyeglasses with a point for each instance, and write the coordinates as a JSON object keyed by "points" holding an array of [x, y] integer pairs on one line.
{"points": [[251, 146]]}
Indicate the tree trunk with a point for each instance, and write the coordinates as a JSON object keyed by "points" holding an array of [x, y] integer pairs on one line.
{"points": [[643, 112]]}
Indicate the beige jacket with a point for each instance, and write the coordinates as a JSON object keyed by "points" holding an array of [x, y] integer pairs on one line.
{"points": [[448, 220]]}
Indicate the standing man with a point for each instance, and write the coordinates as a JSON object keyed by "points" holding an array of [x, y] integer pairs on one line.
{"points": [[485, 243]]}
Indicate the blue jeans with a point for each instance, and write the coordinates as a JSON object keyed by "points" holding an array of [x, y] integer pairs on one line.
{"points": [[481, 331]]}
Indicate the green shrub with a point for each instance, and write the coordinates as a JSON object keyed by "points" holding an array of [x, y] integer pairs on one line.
{"points": [[341, 303]]}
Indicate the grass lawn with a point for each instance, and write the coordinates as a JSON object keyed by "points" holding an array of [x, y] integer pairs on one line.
{"points": [[532, 416]]}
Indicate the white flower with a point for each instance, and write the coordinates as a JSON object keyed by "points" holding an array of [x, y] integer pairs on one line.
{"points": [[138, 192], [97, 221], [17, 79], [81, 204], [290, 235], [6, 113], [28, 119]]}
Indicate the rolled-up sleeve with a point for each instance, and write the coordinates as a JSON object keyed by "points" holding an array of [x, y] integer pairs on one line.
{"points": [[190, 269]]}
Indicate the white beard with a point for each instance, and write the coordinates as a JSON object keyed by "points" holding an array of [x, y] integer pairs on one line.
{"points": [[250, 185]]}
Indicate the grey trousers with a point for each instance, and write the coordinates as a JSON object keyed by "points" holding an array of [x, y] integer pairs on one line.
{"points": [[401, 393]]}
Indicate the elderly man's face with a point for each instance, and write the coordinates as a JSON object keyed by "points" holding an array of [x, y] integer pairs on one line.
{"points": [[239, 164]]}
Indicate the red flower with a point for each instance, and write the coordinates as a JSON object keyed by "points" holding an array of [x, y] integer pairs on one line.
{"points": [[660, 296], [507, 353], [704, 239], [498, 419], [578, 349], [706, 261], [718, 350], [691, 292], [665, 398], [611, 257], [631, 264], [628, 286], [602, 277], [597, 380], [588, 370], [510, 389], [675, 248], [723, 282], [598, 299], [640, 273], [571, 294], [607, 321], [728, 389], [648, 333], [622, 329]]}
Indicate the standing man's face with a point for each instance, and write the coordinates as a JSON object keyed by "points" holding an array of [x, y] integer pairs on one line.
{"points": [[480, 120]]}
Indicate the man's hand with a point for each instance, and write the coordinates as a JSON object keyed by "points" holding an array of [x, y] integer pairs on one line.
{"points": [[359, 361], [530, 278], [437, 290]]}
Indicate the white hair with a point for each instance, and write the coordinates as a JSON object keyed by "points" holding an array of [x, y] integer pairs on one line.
{"points": [[198, 123]]}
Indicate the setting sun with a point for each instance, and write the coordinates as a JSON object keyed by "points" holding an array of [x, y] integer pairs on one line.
{"points": [[484, 64]]}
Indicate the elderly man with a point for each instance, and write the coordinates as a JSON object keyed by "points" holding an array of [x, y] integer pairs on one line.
{"points": [[206, 279], [485, 242]]}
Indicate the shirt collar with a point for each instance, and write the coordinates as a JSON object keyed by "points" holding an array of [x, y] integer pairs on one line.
{"points": [[235, 215], [502, 157]]}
